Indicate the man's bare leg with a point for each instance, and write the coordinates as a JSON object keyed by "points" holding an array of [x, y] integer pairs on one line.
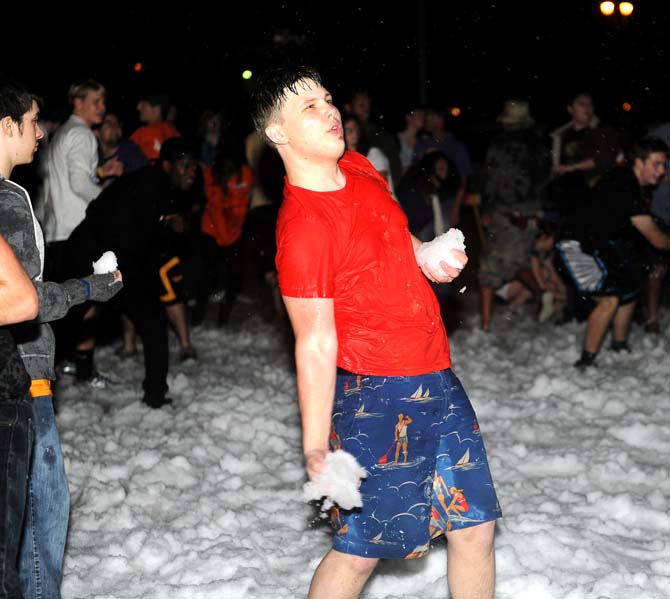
{"points": [[622, 319], [341, 576], [599, 321], [486, 306], [471, 566]]}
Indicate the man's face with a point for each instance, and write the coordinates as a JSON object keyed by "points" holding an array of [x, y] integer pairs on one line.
{"points": [[27, 136], [91, 108], [310, 123], [581, 110], [182, 173], [110, 130], [360, 106], [148, 113], [651, 170]]}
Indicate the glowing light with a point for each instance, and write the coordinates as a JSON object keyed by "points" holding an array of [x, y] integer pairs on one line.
{"points": [[455, 111], [626, 8], [626, 106], [246, 74], [138, 67], [607, 8]]}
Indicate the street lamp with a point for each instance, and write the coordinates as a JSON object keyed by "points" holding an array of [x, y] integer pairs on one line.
{"points": [[608, 8]]}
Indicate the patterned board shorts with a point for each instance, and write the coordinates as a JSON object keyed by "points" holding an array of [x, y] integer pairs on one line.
{"points": [[419, 441]]}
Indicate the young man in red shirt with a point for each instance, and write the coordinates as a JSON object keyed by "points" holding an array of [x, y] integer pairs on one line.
{"points": [[370, 345]]}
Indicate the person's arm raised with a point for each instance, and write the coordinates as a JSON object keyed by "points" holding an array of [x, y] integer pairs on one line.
{"points": [[313, 322]]}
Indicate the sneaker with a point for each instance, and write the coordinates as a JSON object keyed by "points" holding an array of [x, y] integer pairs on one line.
{"points": [[187, 353], [99, 381], [619, 346], [547, 310], [587, 360], [123, 354], [156, 402]]}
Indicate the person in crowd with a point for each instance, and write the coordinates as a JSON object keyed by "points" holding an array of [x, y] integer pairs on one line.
{"points": [[515, 173], [415, 120], [18, 302], [356, 140], [362, 310], [228, 185], [46, 522], [152, 110], [135, 217], [113, 146], [582, 150], [599, 251]]}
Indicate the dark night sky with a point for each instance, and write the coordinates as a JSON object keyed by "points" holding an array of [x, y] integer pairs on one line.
{"points": [[475, 54]]}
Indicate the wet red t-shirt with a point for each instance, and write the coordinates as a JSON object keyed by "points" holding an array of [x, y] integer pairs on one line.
{"points": [[353, 245]]}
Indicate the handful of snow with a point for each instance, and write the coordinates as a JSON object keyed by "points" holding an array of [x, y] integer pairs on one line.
{"points": [[106, 263], [338, 483], [433, 252]]}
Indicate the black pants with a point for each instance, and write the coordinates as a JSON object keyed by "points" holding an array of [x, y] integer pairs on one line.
{"points": [[140, 303], [16, 442]]}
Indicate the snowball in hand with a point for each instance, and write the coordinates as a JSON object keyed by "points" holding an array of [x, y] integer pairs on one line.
{"points": [[106, 263], [338, 482], [433, 252]]}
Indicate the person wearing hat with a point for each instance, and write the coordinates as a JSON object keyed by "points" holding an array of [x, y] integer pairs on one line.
{"points": [[152, 110], [515, 171], [135, 217]]}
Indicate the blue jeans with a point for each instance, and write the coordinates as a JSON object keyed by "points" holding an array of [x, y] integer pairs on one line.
{"points": [[47, 511], [16, 441]]}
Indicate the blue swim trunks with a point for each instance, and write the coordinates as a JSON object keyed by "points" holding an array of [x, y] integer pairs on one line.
{"points": [[418, 439]]}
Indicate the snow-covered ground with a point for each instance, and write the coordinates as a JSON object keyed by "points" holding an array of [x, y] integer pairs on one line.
{"points": [[203, 500]]}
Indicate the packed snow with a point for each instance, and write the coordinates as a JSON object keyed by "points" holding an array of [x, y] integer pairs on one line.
{"points": [[204, 499]]}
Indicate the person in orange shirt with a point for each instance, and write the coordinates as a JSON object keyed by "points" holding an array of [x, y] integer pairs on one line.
{"points": [[152, 110], [228, 185]]}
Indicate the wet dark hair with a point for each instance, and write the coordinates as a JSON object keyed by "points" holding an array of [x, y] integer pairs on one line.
{"points": [[645, 146], [271, 92], [176, 148], [15, 99]]}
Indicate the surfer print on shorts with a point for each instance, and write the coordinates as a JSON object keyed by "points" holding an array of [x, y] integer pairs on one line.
{"points": [[418, 439]]}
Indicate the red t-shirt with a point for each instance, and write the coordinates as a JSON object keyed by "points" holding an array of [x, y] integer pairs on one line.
{"points": [[353, 245], [150, 138]]}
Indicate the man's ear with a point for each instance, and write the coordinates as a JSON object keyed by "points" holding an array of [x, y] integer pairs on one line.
{"points": [[276, 134], [6, 126]]}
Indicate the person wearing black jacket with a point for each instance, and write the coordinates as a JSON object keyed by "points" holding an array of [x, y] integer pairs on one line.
{"points": [[136, 217]]}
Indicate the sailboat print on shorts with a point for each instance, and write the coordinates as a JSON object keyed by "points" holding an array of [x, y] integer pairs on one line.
{"points": [[378, 539], [419, 395], [464, 463], [361, 413]]}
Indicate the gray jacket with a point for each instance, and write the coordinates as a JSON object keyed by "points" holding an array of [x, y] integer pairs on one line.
{"points": [[18, 225]]}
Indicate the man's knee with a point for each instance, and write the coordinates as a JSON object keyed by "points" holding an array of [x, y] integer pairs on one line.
{"points": [[473, 539], [356, 564]]}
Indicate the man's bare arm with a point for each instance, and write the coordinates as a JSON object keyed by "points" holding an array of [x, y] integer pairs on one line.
{"points": [[18, 297], [313, 322], [646, 225]]}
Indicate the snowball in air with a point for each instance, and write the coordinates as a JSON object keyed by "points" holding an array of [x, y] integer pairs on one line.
{"points": [[106, 263], [338, 482], [433, 252]]}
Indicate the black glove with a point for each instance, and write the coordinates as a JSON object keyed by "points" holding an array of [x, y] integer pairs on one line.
{"points": [[99, 288]]}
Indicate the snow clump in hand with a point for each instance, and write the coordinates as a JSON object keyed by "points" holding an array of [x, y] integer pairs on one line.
{"points": [[338, 483], [106, 263], [431, 253]]}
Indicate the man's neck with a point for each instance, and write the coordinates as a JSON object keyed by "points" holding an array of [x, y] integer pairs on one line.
{"points": [[108, 150], [6, 166], [315, 175]]}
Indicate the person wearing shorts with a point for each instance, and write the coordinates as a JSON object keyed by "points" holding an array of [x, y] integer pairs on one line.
{"points": [[372, 355], [600, 253]]}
